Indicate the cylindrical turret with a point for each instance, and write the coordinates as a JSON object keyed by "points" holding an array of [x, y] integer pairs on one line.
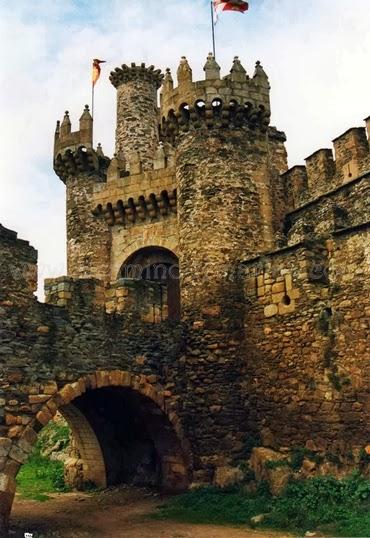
{"points": [[137, 112], [225, 154]]}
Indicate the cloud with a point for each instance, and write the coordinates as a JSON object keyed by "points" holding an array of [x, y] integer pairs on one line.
{"points": [[316, 57]]}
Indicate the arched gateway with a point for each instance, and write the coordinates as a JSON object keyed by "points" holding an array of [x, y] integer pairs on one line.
{"points": [[122, 429]]}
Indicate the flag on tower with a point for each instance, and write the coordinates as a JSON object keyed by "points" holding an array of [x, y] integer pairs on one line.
{"points": [[230, 5], [96, 69]]}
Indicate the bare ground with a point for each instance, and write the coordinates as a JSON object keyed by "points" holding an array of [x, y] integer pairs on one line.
{"points": [[116, 513]]}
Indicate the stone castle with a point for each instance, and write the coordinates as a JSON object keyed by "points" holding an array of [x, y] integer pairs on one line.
{"points": [[215, 299]]}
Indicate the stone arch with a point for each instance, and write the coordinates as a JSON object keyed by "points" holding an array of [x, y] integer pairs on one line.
{"points": [[143, 241], [175, 467], [160, 266], [94, 469]]}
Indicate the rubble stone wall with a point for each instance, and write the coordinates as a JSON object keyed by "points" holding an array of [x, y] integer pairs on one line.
{"points": [[305, 372]]}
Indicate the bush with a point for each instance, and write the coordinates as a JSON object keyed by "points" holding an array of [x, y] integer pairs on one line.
{"points": [[341, 505], [40, 475]]}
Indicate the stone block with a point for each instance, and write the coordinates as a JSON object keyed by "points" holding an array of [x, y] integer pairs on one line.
{"points": [[278, 287], [260, 292], [5, 446], [288, 281], [50, 387], [38, 398], [227, 476], [18, 454], [270, 310], [44, 416], [286, 308]]}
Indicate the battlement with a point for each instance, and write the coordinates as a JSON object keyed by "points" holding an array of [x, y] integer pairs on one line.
{"points": [[236, 88], [124, 74], [66, 139], [142, 299], [235, 101], [323, 173], [18, 267]]}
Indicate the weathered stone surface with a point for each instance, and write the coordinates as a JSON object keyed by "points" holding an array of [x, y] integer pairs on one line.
{"points": [[227, 476], [277, 477]]}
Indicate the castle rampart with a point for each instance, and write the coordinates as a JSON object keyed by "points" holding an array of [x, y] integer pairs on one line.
{"points": [[323, 173]]}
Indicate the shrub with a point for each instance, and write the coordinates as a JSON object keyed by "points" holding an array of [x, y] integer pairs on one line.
{"points": [[341, 505]]}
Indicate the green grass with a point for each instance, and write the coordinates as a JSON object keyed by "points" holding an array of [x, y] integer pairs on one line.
{"points": [[340, 507], [40, 476]]}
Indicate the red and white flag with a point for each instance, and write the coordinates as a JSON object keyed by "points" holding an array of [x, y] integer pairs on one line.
{"points": [[96, 69], [230, 5]]}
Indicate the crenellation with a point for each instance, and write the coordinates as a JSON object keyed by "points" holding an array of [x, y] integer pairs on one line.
{"points": [[296, 186], [351, 153], [324, 174], [236, 87], [66, 140], [321, 170]]}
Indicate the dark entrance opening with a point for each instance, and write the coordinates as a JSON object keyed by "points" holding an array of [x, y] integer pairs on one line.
{"points": [[138, 442], [159, 265]]}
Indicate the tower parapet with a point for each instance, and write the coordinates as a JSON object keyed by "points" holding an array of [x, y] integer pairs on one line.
{"points": [[73, 150], [137, 112], [236, 92], [66, 139]]}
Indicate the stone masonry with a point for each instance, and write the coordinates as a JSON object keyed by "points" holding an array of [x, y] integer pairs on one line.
{"points": [[215, 300]]}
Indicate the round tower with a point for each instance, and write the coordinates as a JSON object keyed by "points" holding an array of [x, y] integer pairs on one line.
{"points": [[220, 128], [137, 112], [224, 169]]}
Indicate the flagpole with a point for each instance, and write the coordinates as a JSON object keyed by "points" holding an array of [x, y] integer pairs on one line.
{"points": [[92, 112], [213, 31]]}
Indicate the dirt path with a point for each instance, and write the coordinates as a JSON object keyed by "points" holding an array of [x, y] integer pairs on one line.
{"points": [[121, 513]]}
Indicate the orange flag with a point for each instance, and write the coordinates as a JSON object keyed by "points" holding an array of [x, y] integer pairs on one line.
{"points": [[96, 69]]}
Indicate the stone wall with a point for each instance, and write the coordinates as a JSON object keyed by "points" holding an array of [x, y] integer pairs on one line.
{"points": [[306, 368], [347, 205]]}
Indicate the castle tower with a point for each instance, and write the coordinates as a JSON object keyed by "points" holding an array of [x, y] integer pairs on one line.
{"points": [[81, 168], [137, 112], [228, 161]]}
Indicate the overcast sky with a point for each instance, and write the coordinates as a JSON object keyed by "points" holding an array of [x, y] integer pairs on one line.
{"points": [[316, 53]]}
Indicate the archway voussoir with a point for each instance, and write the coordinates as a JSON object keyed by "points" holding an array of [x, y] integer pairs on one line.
{"points": [[90, 381], [76, 387], [126, 379], [67, 393], [44, 416], [115, 378], [102, 378], [52, 406]]}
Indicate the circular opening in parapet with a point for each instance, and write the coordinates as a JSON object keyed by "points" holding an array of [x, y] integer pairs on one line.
{"points": [[217, 102], [200, 103], [286, 300], [233, 103], [83, 149], [327, 312]]}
